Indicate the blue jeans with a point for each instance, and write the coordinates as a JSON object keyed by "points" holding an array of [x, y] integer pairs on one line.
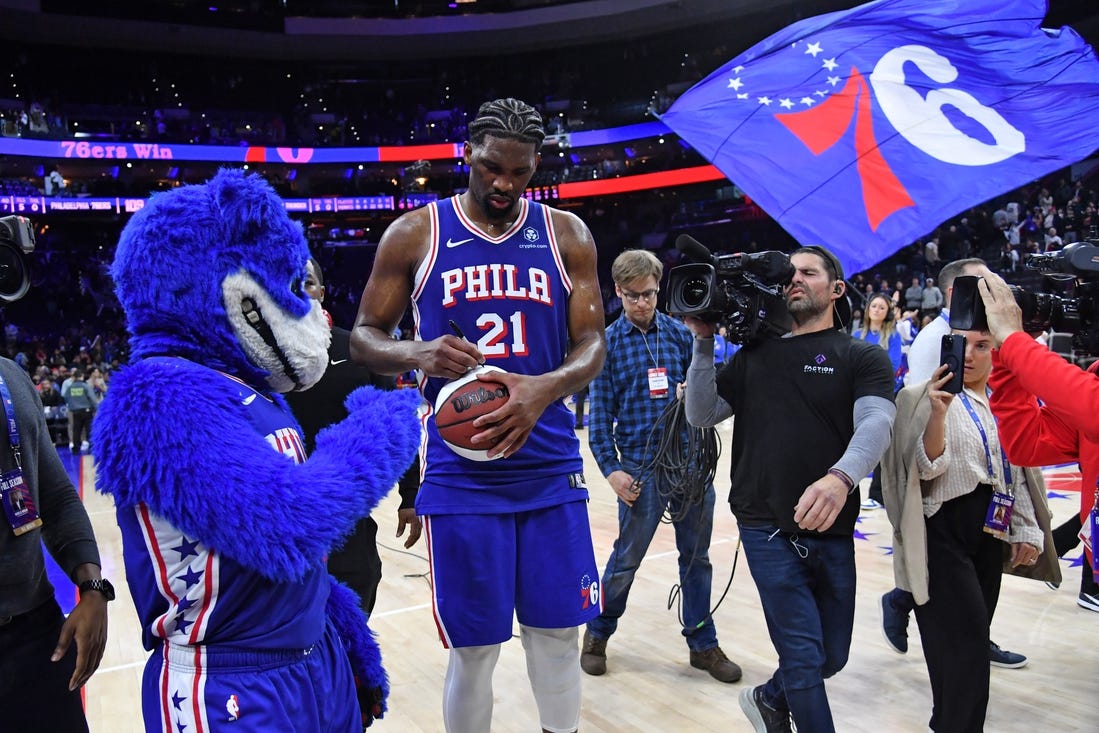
{"points": [[806, 585], [636, 527]]}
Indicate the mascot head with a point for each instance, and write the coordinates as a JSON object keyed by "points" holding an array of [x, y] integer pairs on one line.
{"points": [[213, 273]]}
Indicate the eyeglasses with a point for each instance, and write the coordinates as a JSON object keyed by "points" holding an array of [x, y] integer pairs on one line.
{"points": [[648, 295]]}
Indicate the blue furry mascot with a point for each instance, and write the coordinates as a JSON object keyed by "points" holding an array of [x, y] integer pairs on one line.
{"points": [[225, 523]]}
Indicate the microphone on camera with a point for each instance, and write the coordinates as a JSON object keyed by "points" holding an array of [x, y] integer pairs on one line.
{"points": [[770, 266], [693, 249]]}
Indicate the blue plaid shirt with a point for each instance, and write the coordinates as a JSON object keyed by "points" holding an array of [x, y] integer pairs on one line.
{"points": [[621, 391]]}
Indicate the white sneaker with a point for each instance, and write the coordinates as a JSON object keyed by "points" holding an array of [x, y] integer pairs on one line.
{"points": [[869, 505], [85, 445]]}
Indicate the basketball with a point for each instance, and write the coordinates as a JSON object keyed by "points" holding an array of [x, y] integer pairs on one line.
{"points": [[460, 403]]}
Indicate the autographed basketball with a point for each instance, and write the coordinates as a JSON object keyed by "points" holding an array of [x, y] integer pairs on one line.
{"points": [[460, 403]]}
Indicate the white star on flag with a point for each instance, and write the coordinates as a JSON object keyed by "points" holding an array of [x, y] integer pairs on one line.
{"points": [[740, 83]]}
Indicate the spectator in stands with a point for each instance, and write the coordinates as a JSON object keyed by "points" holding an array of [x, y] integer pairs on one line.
{"points": [[931, 301], [878, 328], [913, 295], [1053, 241], [55, 182], [98, 383], [907, 329], [49, 395]]}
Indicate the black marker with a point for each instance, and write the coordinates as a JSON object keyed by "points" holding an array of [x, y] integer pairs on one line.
{"points": [[457, 331], [459, 334]]}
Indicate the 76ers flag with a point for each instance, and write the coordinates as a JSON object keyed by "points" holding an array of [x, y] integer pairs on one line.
{"points": [[865, 129]]}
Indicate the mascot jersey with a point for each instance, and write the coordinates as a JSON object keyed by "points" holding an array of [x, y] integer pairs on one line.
{"points": [[188, 593], [509, 295]]}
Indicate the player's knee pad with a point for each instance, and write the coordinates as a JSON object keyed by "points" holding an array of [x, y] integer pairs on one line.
{"points": [[553, 664]]}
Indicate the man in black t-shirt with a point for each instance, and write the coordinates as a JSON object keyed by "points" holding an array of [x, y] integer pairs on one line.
{"points": [[814, 412], [357, 563]]}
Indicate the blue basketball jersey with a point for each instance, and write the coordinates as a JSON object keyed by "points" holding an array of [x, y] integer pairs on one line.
{"points": [[190, 594], [509, 295]]}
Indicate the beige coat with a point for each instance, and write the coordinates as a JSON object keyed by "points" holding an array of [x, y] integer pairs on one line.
{"points": [[903, 493]]}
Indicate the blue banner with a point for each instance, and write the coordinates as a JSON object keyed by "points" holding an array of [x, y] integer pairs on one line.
{"points": [[863, 130]]}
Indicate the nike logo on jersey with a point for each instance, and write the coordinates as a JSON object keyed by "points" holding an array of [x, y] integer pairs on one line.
{"points": [[451, 243], [334, 362], [248, 400]]}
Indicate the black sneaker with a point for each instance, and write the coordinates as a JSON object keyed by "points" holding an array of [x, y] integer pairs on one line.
{"points": [[1090, 601], [763, 717], [593, 656], [894, 626], [998, 657]]}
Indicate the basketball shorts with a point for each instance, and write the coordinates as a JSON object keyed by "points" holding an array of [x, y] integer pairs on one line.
{"points": [[213, 688], [537, 565]]}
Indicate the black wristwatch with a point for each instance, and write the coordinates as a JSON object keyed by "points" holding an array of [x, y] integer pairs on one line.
{"points": [[102, 585]]}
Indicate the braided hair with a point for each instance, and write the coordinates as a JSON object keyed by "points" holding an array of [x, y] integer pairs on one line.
{"points": [[507, 118]]}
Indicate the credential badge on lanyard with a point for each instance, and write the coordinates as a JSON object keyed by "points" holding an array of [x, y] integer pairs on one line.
{"points": [[18, 503]]}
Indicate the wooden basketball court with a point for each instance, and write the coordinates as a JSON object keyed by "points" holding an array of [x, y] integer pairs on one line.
{"points": [[649, 685]]}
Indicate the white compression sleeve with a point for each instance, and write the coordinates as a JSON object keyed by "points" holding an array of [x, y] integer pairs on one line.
{"points": [[467, 689], [553, 665]]}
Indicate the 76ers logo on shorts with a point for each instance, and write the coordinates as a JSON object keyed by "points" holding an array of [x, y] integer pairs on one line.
{"points": [[589, 592]]}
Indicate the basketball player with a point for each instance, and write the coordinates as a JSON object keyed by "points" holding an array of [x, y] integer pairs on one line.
{"points": [[511, 534]]}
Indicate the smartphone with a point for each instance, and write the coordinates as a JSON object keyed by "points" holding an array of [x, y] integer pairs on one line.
{"points": [[952, 353], [967, 310]]}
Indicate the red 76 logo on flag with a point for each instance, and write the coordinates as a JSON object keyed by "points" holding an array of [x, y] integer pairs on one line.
{"points": [[920, 120]]}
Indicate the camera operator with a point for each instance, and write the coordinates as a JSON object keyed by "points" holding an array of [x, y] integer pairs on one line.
{"points": [[1062, 429], [796, 510], [45, 657]]}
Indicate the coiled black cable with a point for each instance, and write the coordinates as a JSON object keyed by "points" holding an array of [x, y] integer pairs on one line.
{"points": [[684, 460]]}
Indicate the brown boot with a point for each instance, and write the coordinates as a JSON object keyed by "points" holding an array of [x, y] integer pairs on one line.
{"points": [[593, 657], [714, 661]]}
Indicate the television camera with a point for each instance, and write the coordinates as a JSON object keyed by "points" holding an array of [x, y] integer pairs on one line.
{"points": [[16, 242], [1076, 266], [742, 292]]}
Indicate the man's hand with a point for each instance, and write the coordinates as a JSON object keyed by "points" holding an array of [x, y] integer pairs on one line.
{"points": [[1005, 317], [448, 356], [507, 428], [87, 624], [701, 328], [821, 503], [625, 485], [408, 518]]}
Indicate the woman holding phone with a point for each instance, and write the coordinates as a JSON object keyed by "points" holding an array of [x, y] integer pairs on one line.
{"points": [[961, 514]]}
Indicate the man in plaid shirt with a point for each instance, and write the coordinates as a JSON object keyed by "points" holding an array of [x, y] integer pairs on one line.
{"points": [[647, 358]]}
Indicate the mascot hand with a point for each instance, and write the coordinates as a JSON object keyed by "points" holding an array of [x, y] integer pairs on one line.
{"points": [[371, 702], [376, 442], [371, 682]]}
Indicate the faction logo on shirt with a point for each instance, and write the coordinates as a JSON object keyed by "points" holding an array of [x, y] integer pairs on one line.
{"points": [[818, 367], [589, 592]]}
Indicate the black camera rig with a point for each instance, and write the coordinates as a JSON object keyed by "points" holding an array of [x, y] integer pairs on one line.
{"points": [[742, 292], [16, 242]]}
